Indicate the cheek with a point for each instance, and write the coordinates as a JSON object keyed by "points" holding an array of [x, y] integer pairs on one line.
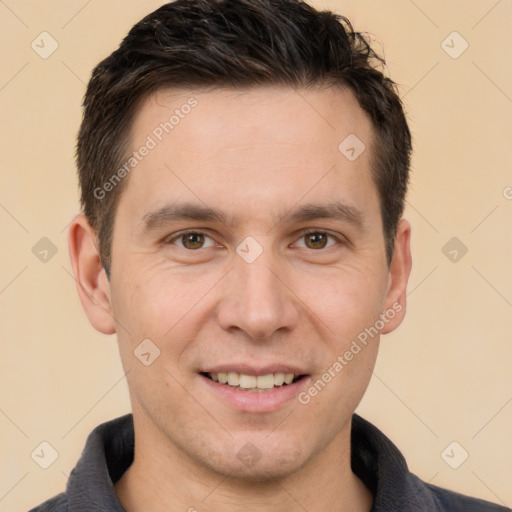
{"points": [[163, 307], [345, 302], [159, 304], [350, 308]]}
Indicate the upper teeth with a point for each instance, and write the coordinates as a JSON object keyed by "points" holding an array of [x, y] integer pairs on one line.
{"points": [[251, 381]]}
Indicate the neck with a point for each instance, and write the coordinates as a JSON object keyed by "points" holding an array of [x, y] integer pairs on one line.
{"points": [[160, 480]]}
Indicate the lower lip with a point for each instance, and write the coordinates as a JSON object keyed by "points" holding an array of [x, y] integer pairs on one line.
{"points": [[258, 401]]}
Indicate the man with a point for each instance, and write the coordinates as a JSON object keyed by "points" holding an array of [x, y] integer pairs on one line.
{"points": [[243, 168]]}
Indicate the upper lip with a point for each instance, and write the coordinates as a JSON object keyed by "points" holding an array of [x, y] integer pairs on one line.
{"points": [[250, 369]]}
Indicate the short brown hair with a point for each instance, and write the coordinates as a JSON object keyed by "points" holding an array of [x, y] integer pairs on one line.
{"points": [[235, 44]]}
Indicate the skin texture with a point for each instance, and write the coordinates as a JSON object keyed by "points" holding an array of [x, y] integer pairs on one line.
{"points": [[256, 155]]}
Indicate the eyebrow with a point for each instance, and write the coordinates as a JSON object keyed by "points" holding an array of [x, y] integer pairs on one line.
{"points": [[308, 212], [181, 211], [336, 211]]}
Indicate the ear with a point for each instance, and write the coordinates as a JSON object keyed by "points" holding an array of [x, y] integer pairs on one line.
{"points": [[91, 280], [399, 271]]}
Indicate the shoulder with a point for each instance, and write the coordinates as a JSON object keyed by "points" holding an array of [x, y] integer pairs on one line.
{"points": [[454, 502], [58, 503], [383, 469]]}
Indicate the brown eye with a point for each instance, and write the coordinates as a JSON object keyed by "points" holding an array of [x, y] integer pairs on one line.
{"points": [[316, 240], [192, 240]]}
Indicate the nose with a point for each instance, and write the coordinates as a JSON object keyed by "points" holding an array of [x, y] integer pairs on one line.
{"points": [[257, 300]]}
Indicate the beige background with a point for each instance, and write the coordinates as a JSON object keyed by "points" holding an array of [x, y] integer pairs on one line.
{"points": [[443, 376]]}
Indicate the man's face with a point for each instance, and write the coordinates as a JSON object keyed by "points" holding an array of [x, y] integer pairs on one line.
{"points": [[281, 280]]}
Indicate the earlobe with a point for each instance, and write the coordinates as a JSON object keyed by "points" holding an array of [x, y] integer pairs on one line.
{"points": [[399, 271], [91, 281]]}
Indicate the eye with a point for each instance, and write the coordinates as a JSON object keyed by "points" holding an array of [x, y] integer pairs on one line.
{"points": [[192, 240], [316, 240]]}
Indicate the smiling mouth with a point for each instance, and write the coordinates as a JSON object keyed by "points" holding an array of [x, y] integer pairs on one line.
{"points": [[252, 383]]}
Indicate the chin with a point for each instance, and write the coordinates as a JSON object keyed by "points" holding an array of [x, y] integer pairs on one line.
{"points": [[270, 468], [252, 461]]}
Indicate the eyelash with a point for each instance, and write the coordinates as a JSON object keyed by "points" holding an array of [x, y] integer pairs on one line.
{"points": [[311, 231], [303, 233], [180, 235]]}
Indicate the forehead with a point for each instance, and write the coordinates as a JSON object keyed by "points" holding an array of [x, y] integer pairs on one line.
{"points": [[256, 114], [268, 144]]}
